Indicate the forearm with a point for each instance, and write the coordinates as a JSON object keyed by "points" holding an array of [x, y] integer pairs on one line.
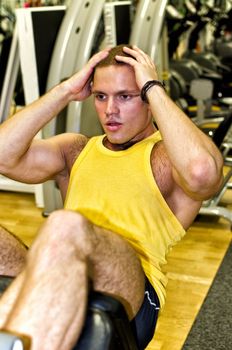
{"points": [[193, 155], [17, 133]]}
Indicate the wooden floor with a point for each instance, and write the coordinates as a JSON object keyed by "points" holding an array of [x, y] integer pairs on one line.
{"points": [[191, 265], [19, 214]]}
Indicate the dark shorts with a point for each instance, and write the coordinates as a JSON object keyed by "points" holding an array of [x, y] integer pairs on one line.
{"points": [[144, 323]]}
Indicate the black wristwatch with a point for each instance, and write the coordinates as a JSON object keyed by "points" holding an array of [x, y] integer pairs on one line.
{"points": [[13, 341]]}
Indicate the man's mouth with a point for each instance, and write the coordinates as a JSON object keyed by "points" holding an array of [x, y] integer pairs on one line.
{"points": [[113, 125]]}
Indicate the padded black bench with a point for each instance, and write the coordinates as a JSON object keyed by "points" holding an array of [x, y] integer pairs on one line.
{"points": [[106, 328]]}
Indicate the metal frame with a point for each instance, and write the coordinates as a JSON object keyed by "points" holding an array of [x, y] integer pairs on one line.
{"points": [[8, 89], [149, 33], [10, 78]]}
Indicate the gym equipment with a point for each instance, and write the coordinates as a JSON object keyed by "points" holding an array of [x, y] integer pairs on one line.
{"points": [[106, 327], [32, 43], [149, 33], [202, 90], [10, 341], [206, 58], [117, 22], [193, 66], [212, 206], [185, 65], [7, 20], [222, 45], [10, 77]]}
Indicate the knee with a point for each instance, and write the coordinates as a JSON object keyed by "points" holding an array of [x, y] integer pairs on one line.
{"points": [[63, 222], [65, 232]]}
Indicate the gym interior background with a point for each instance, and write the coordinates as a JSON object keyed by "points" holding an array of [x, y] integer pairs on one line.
{"points": [[191, 42]]}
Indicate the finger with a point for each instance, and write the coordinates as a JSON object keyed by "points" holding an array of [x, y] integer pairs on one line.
{"points": [[129, 60], [137, 53]]}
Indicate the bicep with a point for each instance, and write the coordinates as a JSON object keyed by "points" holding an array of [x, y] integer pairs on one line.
{"points": [[43, 161]]}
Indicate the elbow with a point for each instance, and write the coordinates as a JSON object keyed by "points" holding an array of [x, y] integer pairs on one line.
{"points": [[4, 170], [205, 177], [7, 166], [3, 167]]}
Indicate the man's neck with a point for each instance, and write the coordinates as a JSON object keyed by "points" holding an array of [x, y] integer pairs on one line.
{"points": [[118, 147], [123, 146]]}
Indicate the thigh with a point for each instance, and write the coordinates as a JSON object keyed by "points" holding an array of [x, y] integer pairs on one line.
{"points": [[117, 270], [113, 265]]}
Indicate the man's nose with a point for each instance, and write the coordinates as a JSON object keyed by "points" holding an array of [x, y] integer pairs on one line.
{"points": [[111, 107]]}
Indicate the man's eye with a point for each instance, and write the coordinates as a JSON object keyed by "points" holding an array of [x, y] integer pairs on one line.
{"points": [[100, 97], [124, 97]]}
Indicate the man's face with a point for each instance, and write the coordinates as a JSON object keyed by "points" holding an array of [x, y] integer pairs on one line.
{"points": [[123, 115]]}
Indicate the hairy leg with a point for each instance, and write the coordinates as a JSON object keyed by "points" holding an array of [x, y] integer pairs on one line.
{"points": [[12, 253], [52, 299]]}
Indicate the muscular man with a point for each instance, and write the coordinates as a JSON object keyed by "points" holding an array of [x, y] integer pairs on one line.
{"points": [[129, 195]]}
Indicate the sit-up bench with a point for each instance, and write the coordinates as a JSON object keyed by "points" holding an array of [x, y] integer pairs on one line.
{"points": [[106, 328]]}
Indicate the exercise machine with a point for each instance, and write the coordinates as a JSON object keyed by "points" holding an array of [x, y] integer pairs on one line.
{"points": [[212, 206], [202, 34], [192, 66], [222, 45], [181, 27], [106, 326]]}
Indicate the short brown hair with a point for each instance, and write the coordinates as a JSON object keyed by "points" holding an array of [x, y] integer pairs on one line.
{"points": [[110, 59]]}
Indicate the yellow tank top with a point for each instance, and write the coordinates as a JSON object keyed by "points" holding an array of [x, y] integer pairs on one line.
{"points": [[117, 191]]}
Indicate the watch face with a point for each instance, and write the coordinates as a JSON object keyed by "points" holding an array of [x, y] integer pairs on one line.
{"points": [[18, 345]]}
